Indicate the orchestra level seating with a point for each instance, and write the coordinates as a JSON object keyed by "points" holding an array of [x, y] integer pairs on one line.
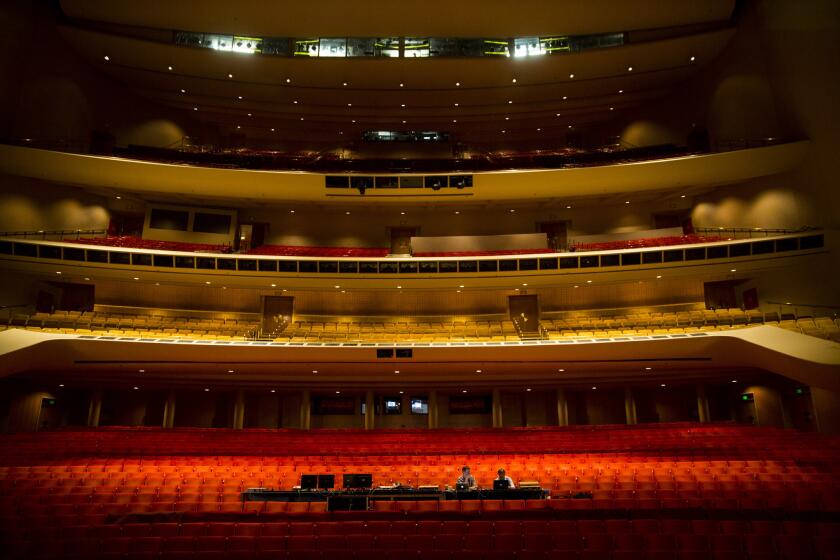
{"points": [[146, 323], [685, 491]]}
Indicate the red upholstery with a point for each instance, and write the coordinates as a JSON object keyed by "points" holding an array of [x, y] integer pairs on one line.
{"points": [[646, 242], [133, 242], [303, 251]]}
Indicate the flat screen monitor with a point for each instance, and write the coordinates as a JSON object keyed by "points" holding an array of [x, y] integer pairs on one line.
{"points": [[358, 480], [500, 484], [308, 482], [326, 481]]}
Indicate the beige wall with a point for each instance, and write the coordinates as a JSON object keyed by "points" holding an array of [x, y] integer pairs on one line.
{"points": [[768, 405], [31, 205]]}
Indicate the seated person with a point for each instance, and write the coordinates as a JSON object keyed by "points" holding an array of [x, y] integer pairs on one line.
{"points": [[502, 476], [466, 478]]}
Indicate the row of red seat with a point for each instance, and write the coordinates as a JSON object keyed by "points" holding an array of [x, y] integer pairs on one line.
{"points": [[431, 527], [334, 252], [789, 547], [674, 442], [134, 242], [645, 242]]}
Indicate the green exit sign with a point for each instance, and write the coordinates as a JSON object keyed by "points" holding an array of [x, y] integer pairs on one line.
{"points": [[747, 397]]}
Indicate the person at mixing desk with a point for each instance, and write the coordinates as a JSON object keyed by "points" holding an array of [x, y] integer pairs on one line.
{"points": [[466, 481], [504, 478]]}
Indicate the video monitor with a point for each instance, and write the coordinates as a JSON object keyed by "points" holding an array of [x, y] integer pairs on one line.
{"points": [[308, 482], [358, 480], [326, 481]]}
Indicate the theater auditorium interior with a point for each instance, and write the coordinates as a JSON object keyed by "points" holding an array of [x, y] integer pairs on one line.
{"points": [[471, 280]]}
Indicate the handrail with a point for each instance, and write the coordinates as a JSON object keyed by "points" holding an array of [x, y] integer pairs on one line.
{"points": [[749, 233], [78, 233]]}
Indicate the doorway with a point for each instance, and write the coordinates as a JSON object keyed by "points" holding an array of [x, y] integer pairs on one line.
{"points": [[525, 313], [401, 240], [251, 236], [556, 232]]}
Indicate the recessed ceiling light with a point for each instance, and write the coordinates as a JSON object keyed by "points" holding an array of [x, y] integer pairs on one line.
{"points": [[136, 388], [525, 284], [539, 129], [399, 287], [589, 281], [402, 84], [512, 210], [621, 91], [195, 108], [570, 126], [402, 213], [344, 84], [513, 80], [692, 59], [403, 122], [457, 104], [295, 102], [463, 390], [349, 104], [571, 76], [206, 389], [183, 90], [274, 285], [565, 97], [273, 391], [402, 104], [291, 211], [396, 371], [141, 370], [510, 101], [314, 371], [733, 270], [61, 384], [337, 287], [593, 388], [478, 371], [107, 58], [249, 114], [288, 80], [348, 212], [629, 68], [402, 392], [338, 392], [648, 369], [230, 75], [87, 279], [576, 286], [662, 385], [354, 120], [136, 278], [239, 97], [568, 207], [457, 84], [612, 108], [682, 196], [734, 381], [207, 282], [507, 118], [557, 115], [461, 286], [659, 276], [58, 272], [626, 202], [272, 130], [528, 389], [301, 118], [561, 370], [454, 120], [238, 127], [504, 131], [170, 68]]}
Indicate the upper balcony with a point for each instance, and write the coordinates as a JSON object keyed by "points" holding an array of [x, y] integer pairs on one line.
{"points": [[130, 175]]}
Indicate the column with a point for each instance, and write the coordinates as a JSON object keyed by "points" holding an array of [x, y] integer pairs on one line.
{"points": [[94, 409], [702, 404], [370, 410], [629, 406], [169, 410], [305, 410], [239, 410], [497, 408], [562, 408], [433, 410]]}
